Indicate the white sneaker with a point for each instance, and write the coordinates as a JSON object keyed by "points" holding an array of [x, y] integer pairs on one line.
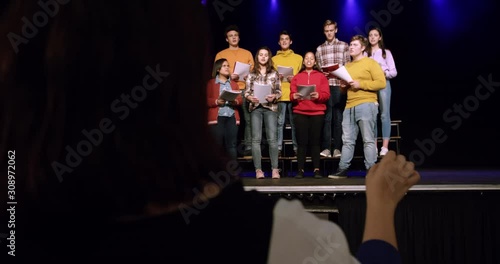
{"points": [[383, 151], [259, 174], [326, 153], [276, 174], [336, 153]]}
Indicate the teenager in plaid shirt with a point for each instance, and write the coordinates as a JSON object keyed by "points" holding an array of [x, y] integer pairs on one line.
{"points": [[331, 52]]}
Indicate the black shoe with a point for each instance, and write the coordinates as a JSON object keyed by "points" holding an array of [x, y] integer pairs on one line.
{"points": [[300, 174], [340, 174], [317, 174]]}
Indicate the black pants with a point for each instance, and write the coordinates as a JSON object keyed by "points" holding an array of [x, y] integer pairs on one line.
{"points": [[333, 119], [226, 133], [308, 132]]}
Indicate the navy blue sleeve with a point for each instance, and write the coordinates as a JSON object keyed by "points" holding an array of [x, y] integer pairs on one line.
{"points": [[378, 251]]}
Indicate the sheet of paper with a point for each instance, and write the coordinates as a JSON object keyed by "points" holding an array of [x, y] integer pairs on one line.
{"points": [[229, 95], [306, 90], [342, 73], [261, 91], [285, 71], [242, 69]]}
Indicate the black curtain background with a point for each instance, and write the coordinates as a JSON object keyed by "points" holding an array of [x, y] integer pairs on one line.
{"points": [[432, 227]]}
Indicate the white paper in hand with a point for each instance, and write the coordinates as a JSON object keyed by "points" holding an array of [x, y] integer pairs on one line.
{"points": [[261, 91], [242, 69], [342, 73], [306, 90], [285, 71]]}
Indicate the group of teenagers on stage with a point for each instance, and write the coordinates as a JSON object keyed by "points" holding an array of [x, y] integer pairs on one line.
{"points": [[337, 108]]}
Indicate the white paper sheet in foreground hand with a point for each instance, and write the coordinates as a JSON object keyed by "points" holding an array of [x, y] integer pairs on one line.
{"points": [[306, 90], [242, 69], [342, 73], [229, 95], [261, 91], [285, 71]]}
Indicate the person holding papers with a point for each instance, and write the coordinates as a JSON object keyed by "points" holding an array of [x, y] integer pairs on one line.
{"points": [[223, 118], [285, 61], [377, 51], [331, 54], [361, 110], [263, 92], [309, 111], [235, 54]]}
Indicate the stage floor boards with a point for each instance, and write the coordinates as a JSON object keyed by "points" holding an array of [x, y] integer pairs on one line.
{"points": [[431, 180]]}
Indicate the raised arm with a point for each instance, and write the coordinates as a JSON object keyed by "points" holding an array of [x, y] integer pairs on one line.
{"points": [[386, 184]]}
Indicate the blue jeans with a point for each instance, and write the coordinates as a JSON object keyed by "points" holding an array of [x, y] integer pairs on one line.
{"points": [[226, 134], [359, 118], [334, 109], [270, 120], [283, 108], [384, 100]]}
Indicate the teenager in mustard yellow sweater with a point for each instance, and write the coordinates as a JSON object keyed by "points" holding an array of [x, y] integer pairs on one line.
{"points": [[286, 57], [361, 109]]}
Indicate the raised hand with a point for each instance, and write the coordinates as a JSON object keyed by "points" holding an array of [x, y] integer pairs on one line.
{"points": [[389, 180]]}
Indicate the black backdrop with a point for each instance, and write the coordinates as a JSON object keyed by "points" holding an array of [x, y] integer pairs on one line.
{"points": [[442, 51], [436, 227]]}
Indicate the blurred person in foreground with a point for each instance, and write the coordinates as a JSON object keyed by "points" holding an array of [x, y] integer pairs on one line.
{"points": [[113, 153]]}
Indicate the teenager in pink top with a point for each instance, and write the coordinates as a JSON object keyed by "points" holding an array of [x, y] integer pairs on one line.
{"points": [[309, 113], [377, 51]]}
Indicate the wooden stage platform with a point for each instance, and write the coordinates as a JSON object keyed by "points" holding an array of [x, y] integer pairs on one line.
{"points": [[318, 195], [431, 180]]}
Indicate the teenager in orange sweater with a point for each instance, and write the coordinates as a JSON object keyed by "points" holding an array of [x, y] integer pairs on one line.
{"points": [[233, 54]]}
